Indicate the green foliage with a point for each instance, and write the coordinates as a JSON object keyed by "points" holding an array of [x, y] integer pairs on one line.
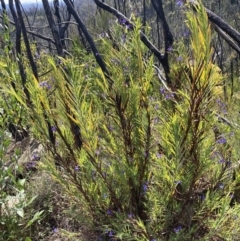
{"points": [[14, 201], [15, 218], [140, 161]]}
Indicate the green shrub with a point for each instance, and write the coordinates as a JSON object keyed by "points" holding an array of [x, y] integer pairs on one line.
{"points": [[141, 160], [15, 222]]}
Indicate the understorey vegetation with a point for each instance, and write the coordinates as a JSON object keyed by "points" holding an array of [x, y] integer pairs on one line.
{"points": [[116, 136]]}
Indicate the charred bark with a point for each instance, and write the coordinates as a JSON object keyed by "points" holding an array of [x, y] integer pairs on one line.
{"points": [[18, 48], [61, 27], [53, 27], [233, 33], [227, 38], [3, 6], [168, 37], [90, 40], [227, 32], [26, 41]]}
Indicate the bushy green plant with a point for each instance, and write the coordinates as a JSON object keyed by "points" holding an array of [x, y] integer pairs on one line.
{"points": [[142, 161], [14, 223], [15, 218]]}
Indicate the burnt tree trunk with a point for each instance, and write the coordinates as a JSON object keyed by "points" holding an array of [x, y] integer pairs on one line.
{"points": [[89, 39], [168, 37], [26, 41], [18, 49], [53, 27], [61, 27]]}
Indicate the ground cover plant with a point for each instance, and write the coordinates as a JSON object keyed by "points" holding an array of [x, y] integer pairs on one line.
{"points": [[129, 154]]}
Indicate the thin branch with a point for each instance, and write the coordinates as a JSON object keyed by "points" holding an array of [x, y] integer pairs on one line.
{"points": [[233, 33], [227, 38], [34, 33], [124, 20], [220, 23], [47, 26], [42, 37]]}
